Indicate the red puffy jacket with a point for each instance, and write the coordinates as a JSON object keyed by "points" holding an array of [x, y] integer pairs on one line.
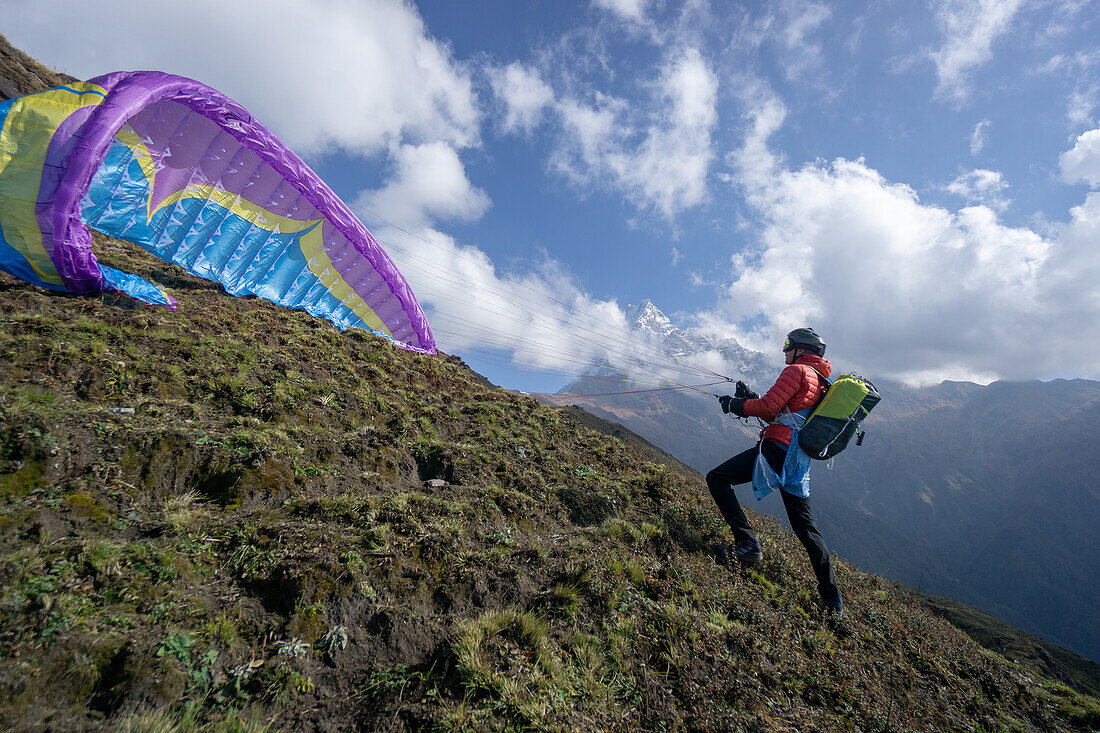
{"points": [[798, 387]]}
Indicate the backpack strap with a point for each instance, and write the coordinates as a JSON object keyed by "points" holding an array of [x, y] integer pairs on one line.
{"points": [[825, 380], [811, 366]]}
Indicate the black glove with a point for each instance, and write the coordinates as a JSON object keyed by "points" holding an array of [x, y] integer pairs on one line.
{"points": [[732, 404], [744, 392]]}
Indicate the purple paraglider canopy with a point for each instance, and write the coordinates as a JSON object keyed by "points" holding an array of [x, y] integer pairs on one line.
{"points": [[189, 174]]}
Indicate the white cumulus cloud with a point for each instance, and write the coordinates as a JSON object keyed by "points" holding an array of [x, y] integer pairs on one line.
{"points": [[1080, 105], [900, 287], [981, 186], [429, 184], [802, 54], [525, 96], [663, 162], [977, 137], [631, 10], [1082, 161], [359, 75], [969, 28]]}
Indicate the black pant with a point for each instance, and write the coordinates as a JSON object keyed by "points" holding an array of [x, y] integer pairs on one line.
{"points": [[738, 470]]}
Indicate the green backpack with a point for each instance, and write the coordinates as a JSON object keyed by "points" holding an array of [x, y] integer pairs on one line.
{"points": [[837, 416]]}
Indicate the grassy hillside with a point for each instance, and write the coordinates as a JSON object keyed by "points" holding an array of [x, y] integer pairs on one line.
{"points": [[234, 517], [24, 75], [236, 513]]}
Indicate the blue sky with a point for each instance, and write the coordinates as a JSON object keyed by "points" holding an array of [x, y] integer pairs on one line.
{"points": [[916, 180]]}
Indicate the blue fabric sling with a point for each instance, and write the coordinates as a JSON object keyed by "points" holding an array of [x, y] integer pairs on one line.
{"points": [[795, 479]]}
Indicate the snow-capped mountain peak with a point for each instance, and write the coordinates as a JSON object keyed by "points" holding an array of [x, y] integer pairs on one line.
{"points": [[648, 318]]}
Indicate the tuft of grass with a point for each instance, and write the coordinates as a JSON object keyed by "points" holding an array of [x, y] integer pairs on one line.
{"points": [[103, 557], [282, 684], [158, 720], [183, 511], [508, 657], [223, 629]]}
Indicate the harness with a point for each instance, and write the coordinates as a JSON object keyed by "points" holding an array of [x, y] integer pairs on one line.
{"points": [[795, 477]]}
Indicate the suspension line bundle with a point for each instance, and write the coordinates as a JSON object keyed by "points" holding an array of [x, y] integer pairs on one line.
{"points": [[650, 364]]}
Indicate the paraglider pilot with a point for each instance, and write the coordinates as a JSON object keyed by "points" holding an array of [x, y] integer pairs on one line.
{"points": [[777, 461]]}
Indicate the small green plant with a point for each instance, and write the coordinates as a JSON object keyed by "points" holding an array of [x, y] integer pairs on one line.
{"points": [[335, 640], [354, 562], [304, 469], [177, 646], [222, 629], [383, 681], [57, 621], [501, 537], [202, 676], [292, 648], [282, 684], [151, 561]]}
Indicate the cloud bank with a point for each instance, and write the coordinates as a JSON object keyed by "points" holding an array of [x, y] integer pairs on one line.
{"points": [[904, 288], [356, 75]]}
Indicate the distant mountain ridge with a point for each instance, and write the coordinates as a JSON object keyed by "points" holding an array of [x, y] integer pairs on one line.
{"points": [[647, 319], [676, 413], [988, 499], [992, 491]]}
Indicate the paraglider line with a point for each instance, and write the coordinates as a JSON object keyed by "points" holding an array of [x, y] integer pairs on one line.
{"points": [[635, 391]]}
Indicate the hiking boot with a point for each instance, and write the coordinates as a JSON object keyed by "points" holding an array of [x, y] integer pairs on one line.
{"points": [[748, 552], [726, 554], [833, 610]]}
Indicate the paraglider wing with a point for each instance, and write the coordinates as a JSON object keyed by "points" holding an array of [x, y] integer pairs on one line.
{"points": [[187, 173]]}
